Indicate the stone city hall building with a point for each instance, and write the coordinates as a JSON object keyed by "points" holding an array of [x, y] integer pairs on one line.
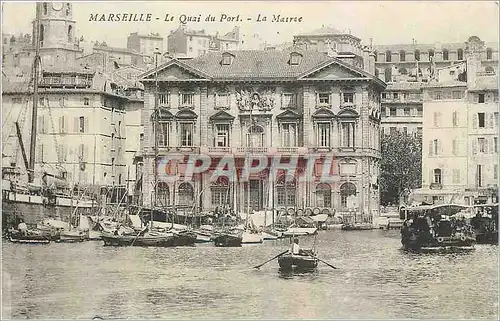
{"points": [[291, 103]]}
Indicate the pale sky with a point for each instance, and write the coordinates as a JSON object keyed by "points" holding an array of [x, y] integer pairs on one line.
{"points": [[386, 22]]}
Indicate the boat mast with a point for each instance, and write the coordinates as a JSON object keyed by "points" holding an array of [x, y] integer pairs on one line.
{"points": [[34, 115], [155, 124]]}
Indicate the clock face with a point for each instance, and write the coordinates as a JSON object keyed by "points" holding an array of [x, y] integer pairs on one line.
{"points": [[57, 6]]}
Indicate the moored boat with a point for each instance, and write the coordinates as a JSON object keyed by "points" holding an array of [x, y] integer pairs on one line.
{"points": [[227, 239], [436, 228], [184, 238], [248, 237], [149, 239], [31, 237]]}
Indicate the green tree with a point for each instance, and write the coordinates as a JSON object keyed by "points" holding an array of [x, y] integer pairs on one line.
{"points": [[400, 166]]}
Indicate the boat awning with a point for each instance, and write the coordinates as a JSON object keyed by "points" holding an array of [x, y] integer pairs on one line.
{"points": [[320, 217], [56, 223]]}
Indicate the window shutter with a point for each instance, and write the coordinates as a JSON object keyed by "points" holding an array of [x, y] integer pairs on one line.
{"points": [[492, 145], [76, 125], [430, 148], [492, 120], [474, 147], [431, 176], [440, 147], [475, 121], [443, 176], [86, 122], [486, 145]]}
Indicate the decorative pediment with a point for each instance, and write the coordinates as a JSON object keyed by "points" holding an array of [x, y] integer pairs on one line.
{"points": [[288, 115], [162, 114], [186, 114], [348, 112], [335, 69], [221, 116], [174, 70], [323, 113]]}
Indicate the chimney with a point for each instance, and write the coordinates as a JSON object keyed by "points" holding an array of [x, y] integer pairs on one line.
{"points": [[472, 66], [236, 31], [368, 60]]}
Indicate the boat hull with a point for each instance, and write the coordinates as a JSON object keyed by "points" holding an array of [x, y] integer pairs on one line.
{"points": [[227, 240], [35, 239], [184, 238], [300, 231], [487, 238], [250, 238], [155, 241], [356, 227], [292, 262]]}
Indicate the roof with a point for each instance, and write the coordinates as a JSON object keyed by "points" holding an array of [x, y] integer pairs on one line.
{"points": [[117, 49], [324, 30], [262, 65], [257, 64], [445, 84], [416, 86], [61, 69], [426, 47]]}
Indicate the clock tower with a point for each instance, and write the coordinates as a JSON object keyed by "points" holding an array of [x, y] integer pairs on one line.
{"points": [[58, 42]]}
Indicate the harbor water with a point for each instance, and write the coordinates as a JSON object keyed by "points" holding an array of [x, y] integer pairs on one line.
{"points": [[375, 279]]}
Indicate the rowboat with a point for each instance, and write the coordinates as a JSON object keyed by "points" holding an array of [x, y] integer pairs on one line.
{"points": [[32, 237], [298, 262]]}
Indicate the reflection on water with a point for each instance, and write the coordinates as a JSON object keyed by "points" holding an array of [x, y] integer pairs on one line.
{"points": [[374, 279]]}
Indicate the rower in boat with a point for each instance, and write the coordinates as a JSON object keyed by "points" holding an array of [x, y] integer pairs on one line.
{"points": [[297, 259]]}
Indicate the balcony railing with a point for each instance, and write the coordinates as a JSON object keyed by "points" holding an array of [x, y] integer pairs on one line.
{"points": [[224, 150], [252, 150], [287, 150]]}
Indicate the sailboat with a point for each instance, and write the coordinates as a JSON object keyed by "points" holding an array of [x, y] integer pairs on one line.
{"points": [[30, 201]]}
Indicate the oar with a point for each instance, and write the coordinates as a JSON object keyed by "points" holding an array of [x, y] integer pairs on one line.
{"points": [[258, 266], [326, 263], [132, 244]]}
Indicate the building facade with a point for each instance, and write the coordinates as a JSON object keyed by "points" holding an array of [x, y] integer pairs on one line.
{"points": [[145, 44], [184, 42], [294, 104], [460, 150], [406, 68]]}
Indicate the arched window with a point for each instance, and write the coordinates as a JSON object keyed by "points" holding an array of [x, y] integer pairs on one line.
{"points": [[388, 74], [446, 54], [402, 55], [489, 70], [323, 195], [489, 53], [45, 8], [460, 54], [186, 194], [163, 194], [70, 34], [42, 34], [417, 55], [347, 193], [219, 191], [437, 176], [285, 191], [388, 56], [403, 71], [255, 136]]}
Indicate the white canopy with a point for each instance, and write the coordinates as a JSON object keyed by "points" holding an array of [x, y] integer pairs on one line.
{"points": [[136, 221]]}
